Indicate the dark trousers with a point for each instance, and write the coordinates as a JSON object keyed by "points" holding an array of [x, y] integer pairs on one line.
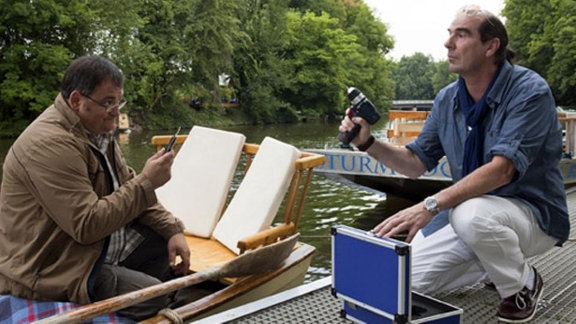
{"points": [[146, 266]]}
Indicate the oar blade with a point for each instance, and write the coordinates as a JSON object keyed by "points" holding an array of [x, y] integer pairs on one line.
{"points": [[260, 260]]}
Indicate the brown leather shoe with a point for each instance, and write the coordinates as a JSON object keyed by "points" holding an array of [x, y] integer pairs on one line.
{"points": [[521, 307]]}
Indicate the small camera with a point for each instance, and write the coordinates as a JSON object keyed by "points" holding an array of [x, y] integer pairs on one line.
{"points": [[361, 107]]}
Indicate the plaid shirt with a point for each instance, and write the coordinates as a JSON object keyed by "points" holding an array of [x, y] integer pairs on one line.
{"points": [[126, 239], [21, 311]]}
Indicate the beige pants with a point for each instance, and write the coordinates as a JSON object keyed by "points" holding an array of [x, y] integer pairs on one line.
{"points": [[489, 238]]}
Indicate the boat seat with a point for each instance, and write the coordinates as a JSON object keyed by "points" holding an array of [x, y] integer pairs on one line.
{"points": [[275, 175], [258, 198], [201, 177]]}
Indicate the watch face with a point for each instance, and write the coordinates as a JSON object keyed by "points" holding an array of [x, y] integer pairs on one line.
{"points": [[431, 204]]}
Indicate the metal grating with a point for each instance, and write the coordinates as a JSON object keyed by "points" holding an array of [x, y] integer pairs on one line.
{"points": [[558, 303], [315, 307]]}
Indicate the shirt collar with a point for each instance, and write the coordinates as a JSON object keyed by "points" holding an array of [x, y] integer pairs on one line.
{"points": [[101, 141], [497, 92]]}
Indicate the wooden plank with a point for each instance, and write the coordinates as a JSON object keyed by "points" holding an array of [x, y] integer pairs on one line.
{"points": [[412, 115]]}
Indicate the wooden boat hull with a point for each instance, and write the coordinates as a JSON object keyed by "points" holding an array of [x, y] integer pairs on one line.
{"points": [[290, 274]]}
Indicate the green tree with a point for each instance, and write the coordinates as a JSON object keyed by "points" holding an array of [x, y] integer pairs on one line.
{"points": [[181, 48], [260, 64], [525, 22], [442, 77], [319, 52], [283, 62], [372, 73], [37, 40], [561, 73], [413, 77], [370, 70], [543, 35]]}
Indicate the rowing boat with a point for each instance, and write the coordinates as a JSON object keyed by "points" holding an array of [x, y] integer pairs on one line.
{"points": [[255, 188]]}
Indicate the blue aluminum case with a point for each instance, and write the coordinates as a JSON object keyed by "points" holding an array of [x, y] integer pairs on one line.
{"points": [[371, 275]]}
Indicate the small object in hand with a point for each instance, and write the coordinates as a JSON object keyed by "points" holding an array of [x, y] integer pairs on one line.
{"points": [[172, 140], [361, 107]]}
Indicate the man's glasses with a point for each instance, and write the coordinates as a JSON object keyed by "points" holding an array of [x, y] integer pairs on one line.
{"points": [[109, 105]]}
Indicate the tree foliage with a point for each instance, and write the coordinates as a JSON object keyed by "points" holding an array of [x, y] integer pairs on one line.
{"points": [[413, 77], [419, 77], [318, 51], [544, 37], [260, 65], [37, 39], [286, 58]]}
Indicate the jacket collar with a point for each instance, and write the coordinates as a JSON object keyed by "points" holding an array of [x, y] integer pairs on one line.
{"points": [[70, 121]]}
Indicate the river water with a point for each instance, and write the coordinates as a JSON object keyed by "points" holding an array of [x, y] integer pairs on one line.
{"points": [[328, 203]]}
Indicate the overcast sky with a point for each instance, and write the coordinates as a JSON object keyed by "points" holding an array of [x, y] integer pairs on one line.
{"points": [[420, 25]]}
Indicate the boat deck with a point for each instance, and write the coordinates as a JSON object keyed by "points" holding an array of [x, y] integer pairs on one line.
{"points": [[314, 303]]}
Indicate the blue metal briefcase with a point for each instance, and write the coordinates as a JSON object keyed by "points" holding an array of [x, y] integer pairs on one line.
{"points": [[371, 275]]}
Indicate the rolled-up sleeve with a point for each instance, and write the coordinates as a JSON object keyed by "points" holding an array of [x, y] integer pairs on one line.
{"points": [[522, 135]]}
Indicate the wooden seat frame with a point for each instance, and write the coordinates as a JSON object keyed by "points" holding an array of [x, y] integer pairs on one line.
{"points": [[293, 206]]}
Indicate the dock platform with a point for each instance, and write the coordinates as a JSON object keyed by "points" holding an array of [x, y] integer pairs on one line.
{"points": [[314, 303]]}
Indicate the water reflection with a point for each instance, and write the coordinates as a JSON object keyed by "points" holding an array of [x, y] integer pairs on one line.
{"points": [[328, 202]]}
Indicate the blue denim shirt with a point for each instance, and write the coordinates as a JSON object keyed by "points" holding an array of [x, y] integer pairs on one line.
{"points": [[521, 125]]}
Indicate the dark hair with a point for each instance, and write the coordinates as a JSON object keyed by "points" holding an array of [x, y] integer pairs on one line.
{"points": [[492, 27], [86, 73]]}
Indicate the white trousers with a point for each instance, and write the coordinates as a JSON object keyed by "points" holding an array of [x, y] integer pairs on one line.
{"points": [[488, 236]]}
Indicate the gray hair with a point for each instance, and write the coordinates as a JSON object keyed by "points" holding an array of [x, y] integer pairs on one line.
{"points": [[491, 27]]}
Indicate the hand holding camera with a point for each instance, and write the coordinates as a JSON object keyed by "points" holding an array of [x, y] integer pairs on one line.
{"points": [[361, 107]]}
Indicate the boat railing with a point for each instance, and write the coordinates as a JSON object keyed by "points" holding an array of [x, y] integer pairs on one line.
{"points": [[405, 126]]}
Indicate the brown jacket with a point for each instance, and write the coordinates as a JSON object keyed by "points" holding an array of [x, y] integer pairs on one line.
{"points": [[57, 206]]}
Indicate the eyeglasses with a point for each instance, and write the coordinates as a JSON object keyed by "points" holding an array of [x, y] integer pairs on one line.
{"points": [[109, 105]]}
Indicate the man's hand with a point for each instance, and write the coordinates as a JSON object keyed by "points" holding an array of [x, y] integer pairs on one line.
{"points": [[177, 247], [348, 124], [158, 168], [410, 219]]}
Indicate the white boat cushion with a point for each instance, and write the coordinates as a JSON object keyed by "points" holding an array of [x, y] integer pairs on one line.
{"points": [[258, 198], [201, 176]]}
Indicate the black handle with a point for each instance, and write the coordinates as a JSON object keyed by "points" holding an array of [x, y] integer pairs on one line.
{"points": [[347, 137]]}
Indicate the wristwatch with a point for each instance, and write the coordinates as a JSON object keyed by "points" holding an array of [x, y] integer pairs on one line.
{"points": [[431, 204]]}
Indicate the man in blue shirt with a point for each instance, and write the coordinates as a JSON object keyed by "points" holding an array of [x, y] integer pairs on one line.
{"points": [[498, 127]]}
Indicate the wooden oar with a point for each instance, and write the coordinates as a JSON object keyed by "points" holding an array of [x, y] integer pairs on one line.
{"points": [[257, 261]]}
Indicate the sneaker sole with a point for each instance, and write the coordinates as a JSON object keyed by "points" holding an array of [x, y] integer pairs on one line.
{"points": [[507, 320]]}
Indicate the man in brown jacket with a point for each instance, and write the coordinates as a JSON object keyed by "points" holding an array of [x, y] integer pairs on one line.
{"points": [[76, 223]]}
